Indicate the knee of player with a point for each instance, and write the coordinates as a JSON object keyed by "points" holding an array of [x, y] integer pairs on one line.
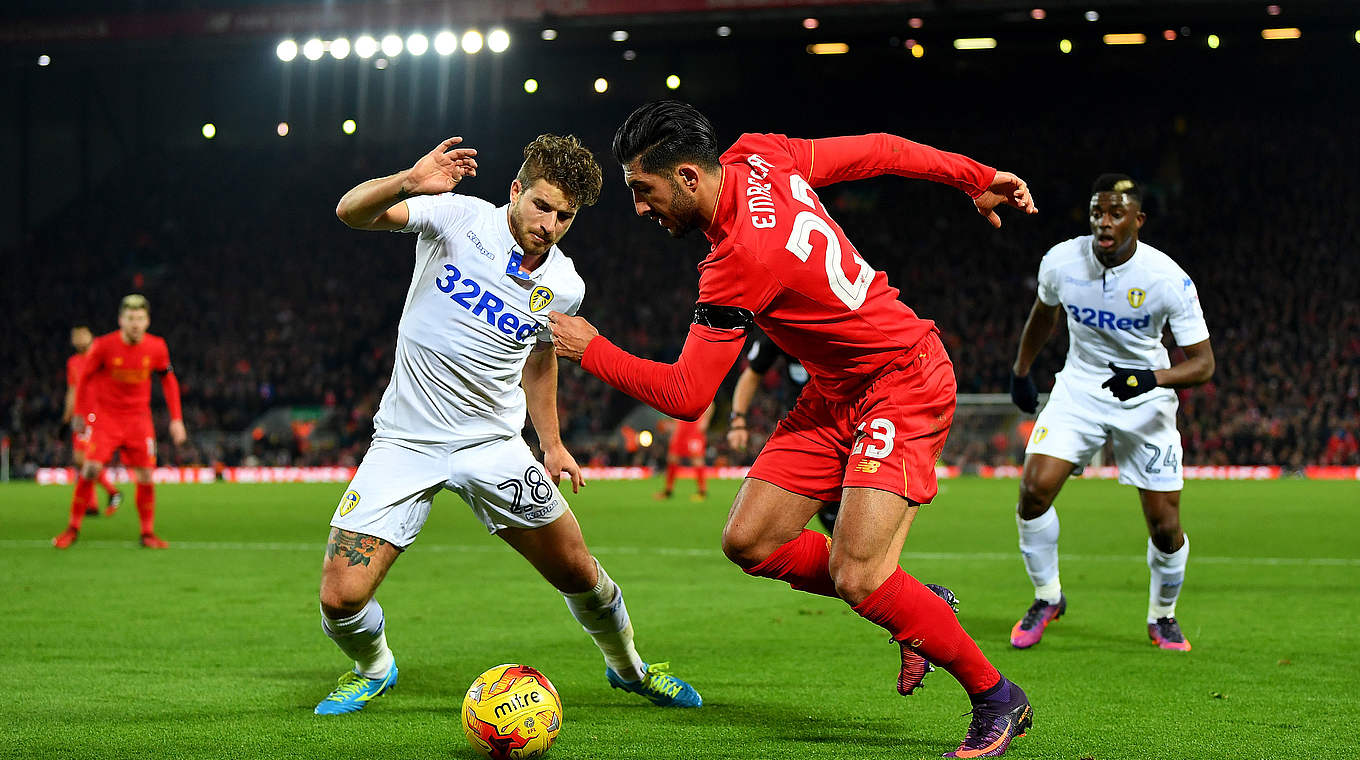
{"points": [[1035, 497], [743, 547], [854, 580], [341, 600], [1165, 532]]}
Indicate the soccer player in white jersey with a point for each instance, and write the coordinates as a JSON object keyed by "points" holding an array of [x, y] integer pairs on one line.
{"points": [[472, 353], [1118, 294]]}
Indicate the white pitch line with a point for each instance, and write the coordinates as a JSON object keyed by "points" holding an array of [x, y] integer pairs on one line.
{"points": [[490, 547]]}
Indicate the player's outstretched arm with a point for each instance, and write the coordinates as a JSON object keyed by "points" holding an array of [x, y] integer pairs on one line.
{"points": [[540, 395], [1008, 189], [1042, 321], [378, 204], [682, 390]]}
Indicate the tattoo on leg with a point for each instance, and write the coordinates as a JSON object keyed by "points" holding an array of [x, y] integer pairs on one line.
{"points": [[355, 547]]}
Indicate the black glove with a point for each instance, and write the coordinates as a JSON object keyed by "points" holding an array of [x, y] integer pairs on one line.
{"points": [[1127, 383], [1024, 394]]}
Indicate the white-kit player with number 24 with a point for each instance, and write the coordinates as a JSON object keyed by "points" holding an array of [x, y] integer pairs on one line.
{"points": [[472, 354], [1118, 295]]}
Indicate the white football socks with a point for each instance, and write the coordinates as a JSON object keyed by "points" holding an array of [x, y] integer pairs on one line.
{"points": [[1167, 574], [602, 614], [1039, 547], [362, 637]]}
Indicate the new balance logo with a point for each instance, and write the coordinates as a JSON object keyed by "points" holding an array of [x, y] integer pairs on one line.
{"points": [[867, 465]]}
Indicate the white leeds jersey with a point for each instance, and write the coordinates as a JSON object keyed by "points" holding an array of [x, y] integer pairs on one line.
{"points": [[1117, 315], [471, 317]]}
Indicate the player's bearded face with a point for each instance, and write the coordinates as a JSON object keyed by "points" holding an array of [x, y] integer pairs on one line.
{"points": [[539, 216], [133, 323], [663, 199], [1115, 219]]}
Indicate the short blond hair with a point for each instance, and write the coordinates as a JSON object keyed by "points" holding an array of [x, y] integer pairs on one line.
{"points": [[134, 302]]}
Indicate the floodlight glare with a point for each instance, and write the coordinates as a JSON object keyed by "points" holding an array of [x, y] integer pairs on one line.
{"points": [[365, 46], [313, 49], [975, 43], [472, 41], [531, 86], [391, 45], [349, 127], [445, 42], [672, 82], [918, 51], [724, 31], [601, 85], [811, 23], [282, 129], [645, 438], [339, 48], [286, 51], [209, 130], [1065, 46], [548, 35], [498, 40], [1212, 41], [44, 60], [417, 44], [1092, 15], [618, 35]]}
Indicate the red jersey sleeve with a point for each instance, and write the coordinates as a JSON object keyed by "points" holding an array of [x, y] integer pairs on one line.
{"points": [[169, 383], [73, 370], [94, 359], [829, 160], [684, 389]]}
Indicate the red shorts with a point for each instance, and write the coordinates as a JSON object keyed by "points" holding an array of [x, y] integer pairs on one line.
{"points": [[134, 437], [686, 444], [80, 442], [889, 438]]}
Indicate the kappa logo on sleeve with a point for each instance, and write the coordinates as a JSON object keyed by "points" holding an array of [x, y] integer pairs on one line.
{"points": [[348, 502], [540, 298]]}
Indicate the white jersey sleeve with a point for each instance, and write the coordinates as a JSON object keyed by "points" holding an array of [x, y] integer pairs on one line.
{"points": [[1187, 315], [433, 215], [1049, 276]]}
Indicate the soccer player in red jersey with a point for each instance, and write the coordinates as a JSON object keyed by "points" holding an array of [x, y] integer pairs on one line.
{"points": [[689, 441], [123, 361], [81, 339], [869, 426]]}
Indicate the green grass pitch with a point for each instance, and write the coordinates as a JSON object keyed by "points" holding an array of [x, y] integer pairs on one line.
{"points": [[213, 649]]}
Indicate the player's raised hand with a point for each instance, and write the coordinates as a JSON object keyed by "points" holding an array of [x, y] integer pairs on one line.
{"points": [[440, 170], [1008, 189], [557, 460], [570, 335]]}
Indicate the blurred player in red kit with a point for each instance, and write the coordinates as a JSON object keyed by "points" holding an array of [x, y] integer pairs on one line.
{"points": [[689, 442], [870, 425], [81, 340], [124, 361]]}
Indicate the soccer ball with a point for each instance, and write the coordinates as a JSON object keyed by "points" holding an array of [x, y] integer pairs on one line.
{"points": [[511, 711]]}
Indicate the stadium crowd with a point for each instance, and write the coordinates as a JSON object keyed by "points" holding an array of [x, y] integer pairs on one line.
{"points": [[267, 301]]}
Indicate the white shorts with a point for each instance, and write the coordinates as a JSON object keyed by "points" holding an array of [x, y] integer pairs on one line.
{"points": [[1147, 446], [500, 480]]}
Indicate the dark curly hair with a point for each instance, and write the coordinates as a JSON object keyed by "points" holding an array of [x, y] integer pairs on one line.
{"points": [[565, 163]]}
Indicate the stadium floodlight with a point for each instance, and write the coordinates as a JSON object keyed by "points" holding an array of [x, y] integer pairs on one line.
{"points": [[811, 23], [645, 438], [498, 41], [472, 41], [724, 31], [619, 35], [1357, 36], [287, 50], [209, 130], [828, 48], [340, 48], [44, 60], [601, 85], [1093, 15], [1038, 14], [918, 51], [1212, 41], [672, 82], [1065, 46], [417, 44], [916, 22], [1134, 38], [282, 129], [380, 64], [1287, 33], [974, 43], [1272, 10], [445, 43], [313, 49], [348, 126], [365, 46], [548, 35], [391, 45], [531, 85]]}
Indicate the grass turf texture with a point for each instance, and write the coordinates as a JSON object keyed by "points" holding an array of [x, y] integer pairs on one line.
{"points": [[214, 649]]}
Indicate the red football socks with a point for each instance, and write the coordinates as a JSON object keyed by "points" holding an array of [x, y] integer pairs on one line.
{"points": [[802, 563], [81, 500], [701, 476], [912, 614], [106, 482], [671, 470], [146, 507]]}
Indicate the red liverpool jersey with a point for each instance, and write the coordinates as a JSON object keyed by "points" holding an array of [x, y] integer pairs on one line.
{"points": [[124, 375], [778, 253], [84, 403]]}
